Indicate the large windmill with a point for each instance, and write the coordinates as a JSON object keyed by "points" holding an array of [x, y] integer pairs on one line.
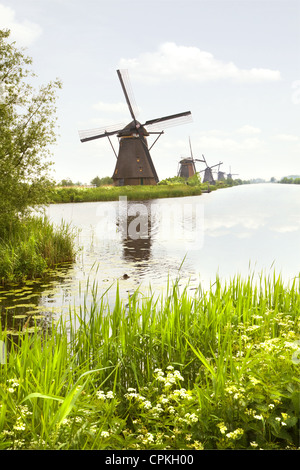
{"points": [[187, 166], [208, 175], [134, 163]]}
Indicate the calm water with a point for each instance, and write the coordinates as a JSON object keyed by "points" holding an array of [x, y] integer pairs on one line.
{"points": [[244, 229], [231, 231]]}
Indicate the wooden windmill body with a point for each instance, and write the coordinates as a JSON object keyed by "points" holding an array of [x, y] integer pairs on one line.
{"points": [[187, 167], [221, 174], [208, 174], [230, 175], [134, 164]]}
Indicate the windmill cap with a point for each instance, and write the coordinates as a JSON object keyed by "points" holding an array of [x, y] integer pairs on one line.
{"points": [[131, 129], [186, 160]]}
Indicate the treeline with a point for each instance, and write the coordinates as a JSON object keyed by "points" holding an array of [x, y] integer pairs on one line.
{"points": [[290, 180], [175, 180], [96, 182], [196, 181]]}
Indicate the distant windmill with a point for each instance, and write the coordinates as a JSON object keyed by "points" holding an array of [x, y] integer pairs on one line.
{"points": [[187, 166], [230, 175], [221, 174], [134, 163], [208, 176]]}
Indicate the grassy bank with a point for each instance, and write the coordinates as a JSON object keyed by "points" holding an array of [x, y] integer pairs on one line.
{"points": [[112, 193], [31, 247], [219, 370]]}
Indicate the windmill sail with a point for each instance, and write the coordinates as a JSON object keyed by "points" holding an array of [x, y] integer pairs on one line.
{"points": [[128, 93], [98, 132], [168, 121]]}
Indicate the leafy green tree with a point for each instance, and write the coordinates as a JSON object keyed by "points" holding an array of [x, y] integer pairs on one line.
{"points": [[66, 182], [27, 129], [173, 180], [96, 181], [106, 180], [194, 180], [102, 181]]}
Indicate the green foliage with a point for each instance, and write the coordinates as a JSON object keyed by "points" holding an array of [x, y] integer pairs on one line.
{"points": [[112, 193], [106, 180], [194, 180], [287, 180], [34, 245], [27, 129], [66, 182], [172, 181], [218, 370], [171, 187]]}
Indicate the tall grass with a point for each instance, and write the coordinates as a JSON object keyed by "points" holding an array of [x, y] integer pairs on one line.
{"points": [[32, 246], [112, 193], [217, 370]]}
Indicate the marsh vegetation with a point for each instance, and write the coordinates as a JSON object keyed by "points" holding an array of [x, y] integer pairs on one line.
{"points": [[216, 370]]}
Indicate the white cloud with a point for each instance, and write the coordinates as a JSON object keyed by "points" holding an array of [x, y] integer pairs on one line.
{"points": [[287, 137], [228, 144], [119, 108], [217, 143], [23, 32], [191, 63], [248, 130]]}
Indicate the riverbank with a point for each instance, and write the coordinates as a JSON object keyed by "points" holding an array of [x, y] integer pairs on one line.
{"points": [[31, 247], [216, 370], [112, 193]]}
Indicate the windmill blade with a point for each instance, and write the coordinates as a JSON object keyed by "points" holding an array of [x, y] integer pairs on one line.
{"points": [[97, 133], [204, 159], [191, 148], [127, 90], [168, 121]]}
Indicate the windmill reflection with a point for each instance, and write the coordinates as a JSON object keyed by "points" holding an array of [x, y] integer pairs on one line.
{"points": [[134, 223]]}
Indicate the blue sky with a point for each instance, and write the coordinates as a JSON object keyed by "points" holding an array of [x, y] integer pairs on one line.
{"points": [[234, 64]]}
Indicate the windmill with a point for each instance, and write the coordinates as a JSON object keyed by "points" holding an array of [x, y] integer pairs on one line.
{"points": [[230, 175], [208, 176], [187, 166], [134, 164], [221, 174]]}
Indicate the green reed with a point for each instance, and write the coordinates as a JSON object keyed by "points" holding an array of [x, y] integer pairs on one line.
{"points": [[217, 369], [32, 246], [112, 193]]}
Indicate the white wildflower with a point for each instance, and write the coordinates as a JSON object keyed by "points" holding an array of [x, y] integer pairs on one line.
{"points": [[259, 417], [101, 395], [235, 434]]}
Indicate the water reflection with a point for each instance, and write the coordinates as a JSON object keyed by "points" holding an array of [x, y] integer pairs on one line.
{"points": [[135, 224], [220, 232], [226, 232]]}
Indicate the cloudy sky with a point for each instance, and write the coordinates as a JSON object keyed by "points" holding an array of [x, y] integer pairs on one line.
{"points": [[233, 63]]}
